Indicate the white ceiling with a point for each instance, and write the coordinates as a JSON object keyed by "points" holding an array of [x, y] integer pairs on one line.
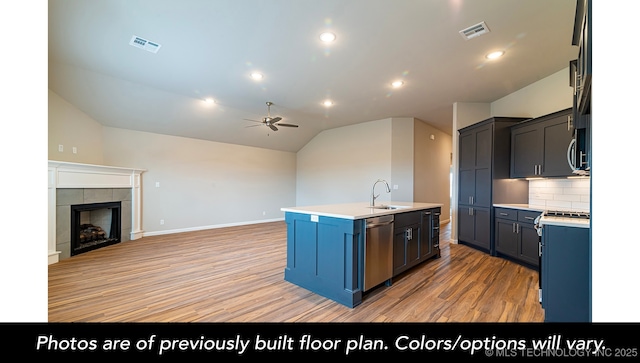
{"points": [[209, 47]]}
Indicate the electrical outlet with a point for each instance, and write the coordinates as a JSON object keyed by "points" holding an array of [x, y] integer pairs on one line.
{"points": [[264, 213], [60, 148], [161, 221], [74, 150], [157, 184]]}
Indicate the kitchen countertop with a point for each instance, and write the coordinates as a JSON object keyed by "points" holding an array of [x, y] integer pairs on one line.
{"points": [[531, 207], [565, 222], [549, 220], [359, 210]]}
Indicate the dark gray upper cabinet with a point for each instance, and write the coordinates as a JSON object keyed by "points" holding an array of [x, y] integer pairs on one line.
{"points": [[582, 71], [539, 146], [483, 172]]}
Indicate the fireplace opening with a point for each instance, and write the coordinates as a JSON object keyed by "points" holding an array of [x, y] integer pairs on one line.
{"points": [[94, 226]]}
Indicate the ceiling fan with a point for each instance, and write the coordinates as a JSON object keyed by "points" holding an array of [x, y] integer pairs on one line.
{"points": [[271, 121]]}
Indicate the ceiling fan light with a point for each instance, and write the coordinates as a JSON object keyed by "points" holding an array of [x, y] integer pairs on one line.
{"points": [[397, 84], [256, 75], [327, 103], [209, 100]]}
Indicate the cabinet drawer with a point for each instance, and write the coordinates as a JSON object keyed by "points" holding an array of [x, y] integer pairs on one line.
{"points": [[527, 216], [506, 213], [404, 219]]}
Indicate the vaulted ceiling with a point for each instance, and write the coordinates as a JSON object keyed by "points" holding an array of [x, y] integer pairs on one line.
{"points": [[198, 49]]}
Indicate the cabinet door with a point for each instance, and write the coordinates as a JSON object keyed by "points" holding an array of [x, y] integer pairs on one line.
{"points": [[467, 149], [399, 251], [466, 224], [556, 141], [474, 226], [484, 147], [483, 227], [525, 151], [528, 249], [413, 245], [482, 194], [467, 186], [506, 237], [426, 232]]}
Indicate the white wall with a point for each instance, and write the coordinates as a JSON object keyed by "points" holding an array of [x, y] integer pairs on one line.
{"points": [[341, 165], [432, 164], [402, 159], [70, 128], [551, 94], [203, 184]]}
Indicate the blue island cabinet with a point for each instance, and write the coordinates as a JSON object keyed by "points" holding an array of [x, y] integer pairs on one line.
{"points": [[325, 255]]}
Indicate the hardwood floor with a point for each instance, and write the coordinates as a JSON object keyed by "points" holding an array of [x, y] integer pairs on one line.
{"points": [[236, 274]]}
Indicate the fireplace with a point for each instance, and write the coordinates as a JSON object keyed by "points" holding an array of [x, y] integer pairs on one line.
{"points": [[94, 225], [74, 184]]}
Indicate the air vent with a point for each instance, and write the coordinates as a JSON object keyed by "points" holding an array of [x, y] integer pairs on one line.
{"points": [[144, 44], [474, 31]]}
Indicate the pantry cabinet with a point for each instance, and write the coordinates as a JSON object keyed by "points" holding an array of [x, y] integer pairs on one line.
{"points": [[483, 179]]}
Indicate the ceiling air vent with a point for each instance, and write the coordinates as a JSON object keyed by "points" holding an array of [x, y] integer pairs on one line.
{"points": [[474, 31], [144, 44]]}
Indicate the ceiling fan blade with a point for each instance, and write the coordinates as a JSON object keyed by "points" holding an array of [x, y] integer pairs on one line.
{"points": [[252, 120], [288, 125], [273, 127], [275, 119], [253, 125]]}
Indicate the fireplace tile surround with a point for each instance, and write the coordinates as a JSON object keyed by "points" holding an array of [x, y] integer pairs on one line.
{"points": [[74, 183], [67, 197]]}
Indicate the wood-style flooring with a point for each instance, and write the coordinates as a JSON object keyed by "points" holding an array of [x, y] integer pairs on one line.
{"points": [[236, 274]]}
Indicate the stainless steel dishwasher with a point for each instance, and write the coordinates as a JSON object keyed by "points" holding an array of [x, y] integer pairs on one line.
{"points": [[378, 251]]}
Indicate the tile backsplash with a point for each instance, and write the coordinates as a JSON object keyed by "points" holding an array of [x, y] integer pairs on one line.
{"points": [[561, 194]]}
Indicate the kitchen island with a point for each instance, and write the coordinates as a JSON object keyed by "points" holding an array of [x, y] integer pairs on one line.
{"points": [[327, 245]]}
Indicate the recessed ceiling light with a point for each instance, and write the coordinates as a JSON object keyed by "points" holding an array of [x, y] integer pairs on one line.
{"points": [[494, 55], [397, 84], [327, 37], [327, 103], [256, 75], [209, 100]]}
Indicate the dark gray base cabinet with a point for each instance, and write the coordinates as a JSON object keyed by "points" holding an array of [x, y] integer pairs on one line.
{"points": [[415, 239], [516, 237], [566, 261], [474, 227]]}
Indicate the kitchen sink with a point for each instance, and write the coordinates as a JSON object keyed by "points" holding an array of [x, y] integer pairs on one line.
{"points": [[388, 207]]}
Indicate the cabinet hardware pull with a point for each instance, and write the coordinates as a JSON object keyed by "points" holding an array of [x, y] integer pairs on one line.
{"points": [[539, 249], [504, 214], [531, 218], [436, 214], [583, 155], [517, 228], [513, 228], [569, 123]]}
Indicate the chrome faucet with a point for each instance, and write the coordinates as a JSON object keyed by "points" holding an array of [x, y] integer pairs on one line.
{"points": [[373, 196]]}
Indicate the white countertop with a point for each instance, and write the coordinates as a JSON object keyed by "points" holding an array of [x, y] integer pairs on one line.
{"points": [[565, 222], [531, 207], [359, 210]]}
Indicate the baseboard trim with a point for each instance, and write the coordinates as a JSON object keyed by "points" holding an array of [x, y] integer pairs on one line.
{"points": [[201, 228]]}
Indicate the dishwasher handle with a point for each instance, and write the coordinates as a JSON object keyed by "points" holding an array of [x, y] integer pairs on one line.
{"points": [[373, 224]]}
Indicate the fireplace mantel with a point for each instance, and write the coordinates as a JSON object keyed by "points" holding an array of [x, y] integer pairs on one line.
{"points": [[75, 175]]}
